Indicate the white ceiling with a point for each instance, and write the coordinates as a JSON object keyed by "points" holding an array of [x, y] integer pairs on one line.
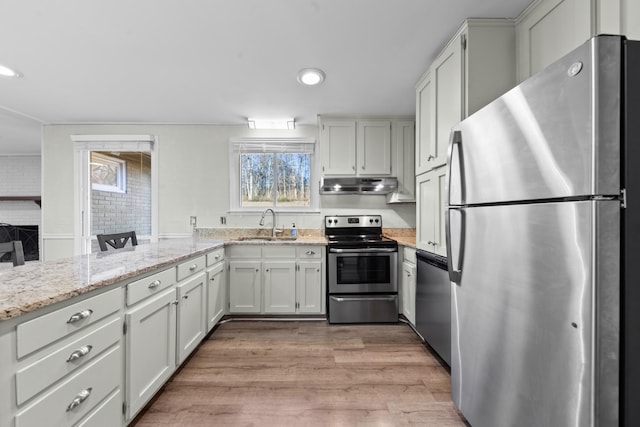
{"points": [[216, 61]]}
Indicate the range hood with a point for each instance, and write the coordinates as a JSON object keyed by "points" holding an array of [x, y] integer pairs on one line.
{"points": [[358, 185]]}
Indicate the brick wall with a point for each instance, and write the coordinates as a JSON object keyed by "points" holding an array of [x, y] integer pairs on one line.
{"points": [[20, 176], [118, 212]]}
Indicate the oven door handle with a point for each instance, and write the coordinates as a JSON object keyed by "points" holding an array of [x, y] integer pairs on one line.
{"points": [[362, 250], [363, 298]]}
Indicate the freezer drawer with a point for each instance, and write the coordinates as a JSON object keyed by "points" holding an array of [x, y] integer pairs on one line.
{"points": [[363, 308]]}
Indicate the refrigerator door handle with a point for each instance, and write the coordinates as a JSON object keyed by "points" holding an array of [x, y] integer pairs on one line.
{"points": [[455, 140], [455, 268]]}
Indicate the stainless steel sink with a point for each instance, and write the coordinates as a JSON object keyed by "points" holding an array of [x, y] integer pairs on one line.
{"points": [[264, 239]]}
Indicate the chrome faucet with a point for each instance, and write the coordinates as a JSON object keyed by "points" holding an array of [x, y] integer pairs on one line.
{"points": [[273, 229]]}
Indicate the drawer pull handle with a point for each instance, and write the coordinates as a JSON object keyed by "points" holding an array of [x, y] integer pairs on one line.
{"points": [[154, 284], [80, 315], [217, 256], [310, 253], [193, 267], [79, 353], [81, 397]]}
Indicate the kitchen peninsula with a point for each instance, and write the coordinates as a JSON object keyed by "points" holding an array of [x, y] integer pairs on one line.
{"points": [[88, 340]]}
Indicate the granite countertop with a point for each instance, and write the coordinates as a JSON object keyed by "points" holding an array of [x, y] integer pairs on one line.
{"points": [[404, 236], [28, 287]]}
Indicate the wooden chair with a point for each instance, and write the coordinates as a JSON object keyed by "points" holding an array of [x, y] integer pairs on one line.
{"points": [[15, 248], [116, 240]]}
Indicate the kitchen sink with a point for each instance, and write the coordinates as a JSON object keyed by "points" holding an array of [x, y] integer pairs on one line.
{"points": [[264, 239]]}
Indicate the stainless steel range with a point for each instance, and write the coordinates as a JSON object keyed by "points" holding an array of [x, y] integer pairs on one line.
{"points": [[361, 270]]}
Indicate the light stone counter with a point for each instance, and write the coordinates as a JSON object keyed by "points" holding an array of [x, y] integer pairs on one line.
{"points": [[26, 288]]}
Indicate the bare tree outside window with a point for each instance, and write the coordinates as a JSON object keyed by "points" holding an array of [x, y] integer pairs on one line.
{"points": [[275, 179]]}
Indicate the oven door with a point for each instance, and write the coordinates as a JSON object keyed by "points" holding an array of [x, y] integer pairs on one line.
{"points": [[353, 271]]}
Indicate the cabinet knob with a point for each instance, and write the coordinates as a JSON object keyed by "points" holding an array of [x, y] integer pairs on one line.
{"points": [[217, 256], [79, 353], [213, 278], [257, 270], [431, 243], [154, 284], [80, 315], [310, 253], [185, 297], [267, 270], [362, 167], [431, 157], [353, 167], [81, 397], [193, 267]]}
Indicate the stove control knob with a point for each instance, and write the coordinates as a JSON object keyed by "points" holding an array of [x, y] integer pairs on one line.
{"points": [[377, 220], [371, 220], [329, 221]]}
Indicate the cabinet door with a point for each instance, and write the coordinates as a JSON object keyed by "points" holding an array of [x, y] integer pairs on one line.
{"points": [[150, 348], [309, 289], [338, 147], [440, 206], [409, 291], [425, 126], [404, 133], [374, 147], [279, 286], [549, 31], [425, 219], [244, 287], [216, 294], [446, 73], [192, 313]]}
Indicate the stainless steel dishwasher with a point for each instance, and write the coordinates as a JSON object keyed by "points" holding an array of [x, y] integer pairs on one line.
{"points": [[433, 303]]}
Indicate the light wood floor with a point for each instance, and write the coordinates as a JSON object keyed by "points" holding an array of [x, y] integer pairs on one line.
{"points": [[251, 373]]}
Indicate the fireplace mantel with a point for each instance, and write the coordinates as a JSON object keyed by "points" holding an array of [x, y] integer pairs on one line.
{"points": [[36, 199]]}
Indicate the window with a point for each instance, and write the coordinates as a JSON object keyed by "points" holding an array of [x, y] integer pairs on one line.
{"points": [[273, 173], [108, 173]]}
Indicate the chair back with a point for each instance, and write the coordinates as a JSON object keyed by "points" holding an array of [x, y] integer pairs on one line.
{"points": [[116, 240], [15, 248]]}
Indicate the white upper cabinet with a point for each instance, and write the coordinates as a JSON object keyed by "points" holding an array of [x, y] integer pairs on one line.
{"points": [[373, 149], [355, 147], [474, 68], [338, 147], [549, 29]]}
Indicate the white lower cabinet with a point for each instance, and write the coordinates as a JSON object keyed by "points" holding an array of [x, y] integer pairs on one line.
{"points": [[279, 279], [310, 287], [150, 348], [408, 285], [279, 286], [192, 313], [245, 286], [216, 294]]}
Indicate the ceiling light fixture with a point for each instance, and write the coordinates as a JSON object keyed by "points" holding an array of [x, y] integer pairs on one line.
{"points": [[289, 124], [311, 76], [9, 72]]}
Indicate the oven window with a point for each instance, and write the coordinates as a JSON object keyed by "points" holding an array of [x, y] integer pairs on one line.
{"points": [[363, 269]]}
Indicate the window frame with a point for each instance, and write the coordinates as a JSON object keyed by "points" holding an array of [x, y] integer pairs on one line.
{"points": [[121, 174], [270, 145]]}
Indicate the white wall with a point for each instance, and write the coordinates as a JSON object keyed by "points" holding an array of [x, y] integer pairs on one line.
{"points": [[193, 167], [19, 176]]}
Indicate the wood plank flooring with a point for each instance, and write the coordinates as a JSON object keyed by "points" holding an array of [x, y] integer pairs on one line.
{"points": [[251, 373]]}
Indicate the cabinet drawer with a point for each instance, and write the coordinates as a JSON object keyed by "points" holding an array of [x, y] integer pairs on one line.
{"points": [[73, 399], [48, 328], [151, 285], [277, 251], [47, 370], [409, 254], [215, 256], [190, 267], [309, 252], [106, 413]]}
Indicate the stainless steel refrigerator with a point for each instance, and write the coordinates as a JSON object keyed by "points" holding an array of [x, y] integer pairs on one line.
{"points": [[542, 220]]}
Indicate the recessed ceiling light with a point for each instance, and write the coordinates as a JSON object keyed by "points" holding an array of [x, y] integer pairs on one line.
{"points": [[8, 72], [311, 76]]}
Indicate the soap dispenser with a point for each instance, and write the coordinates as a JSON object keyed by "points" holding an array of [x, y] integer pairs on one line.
{"points": [[294, 231]]}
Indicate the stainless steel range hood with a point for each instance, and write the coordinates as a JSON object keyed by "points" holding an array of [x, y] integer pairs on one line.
{"points": [[358, 185]]}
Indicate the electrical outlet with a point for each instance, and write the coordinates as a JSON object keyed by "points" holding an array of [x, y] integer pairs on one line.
{"points": [[193, 220]]}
